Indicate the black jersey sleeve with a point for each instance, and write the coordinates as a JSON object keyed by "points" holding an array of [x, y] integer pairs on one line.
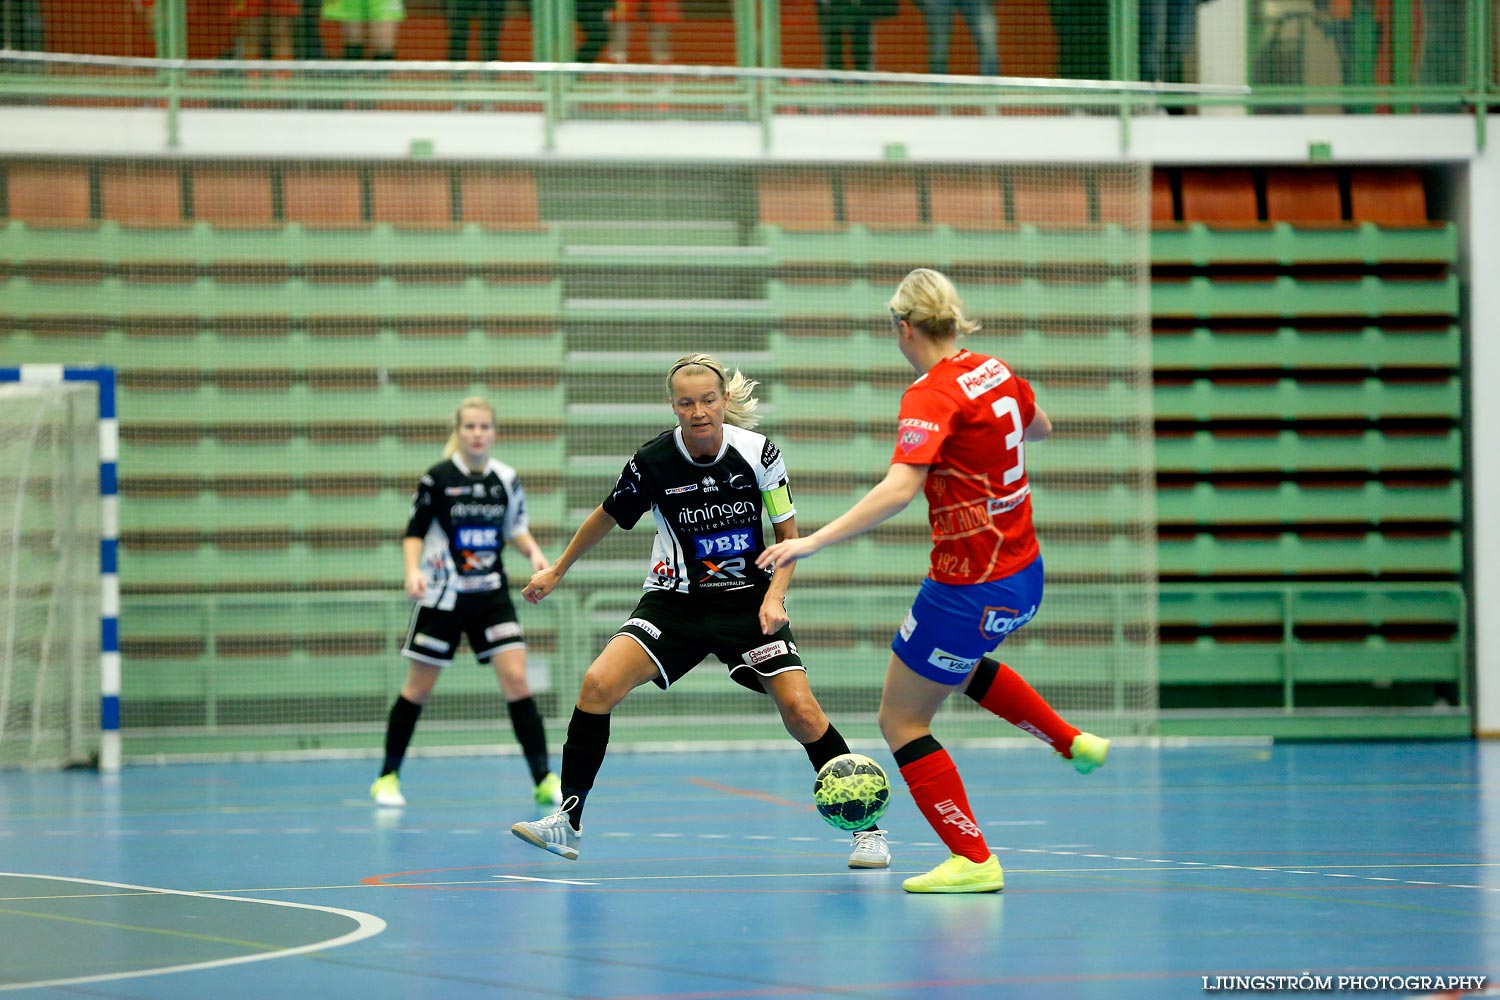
{"points": [[420, 518], [631, 496]]}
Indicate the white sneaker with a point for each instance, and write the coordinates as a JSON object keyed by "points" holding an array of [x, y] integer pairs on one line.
{"points": [[553, 833], [386, 791], [870, 850]]}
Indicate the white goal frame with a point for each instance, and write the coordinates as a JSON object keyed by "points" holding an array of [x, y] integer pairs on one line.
{"points": [[103, 379]]}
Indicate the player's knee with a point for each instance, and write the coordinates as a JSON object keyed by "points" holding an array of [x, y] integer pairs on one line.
{"points": [[601, 692], [804, 717]]}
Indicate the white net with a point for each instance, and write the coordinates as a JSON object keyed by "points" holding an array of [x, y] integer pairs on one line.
{"points": [[49, 575], [292, 338]]}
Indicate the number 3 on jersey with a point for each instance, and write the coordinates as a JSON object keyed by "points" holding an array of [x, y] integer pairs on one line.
{"points": [[1015, 439]]}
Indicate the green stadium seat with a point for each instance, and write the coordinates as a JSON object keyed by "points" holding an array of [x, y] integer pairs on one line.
{"points": [[1293, 503], [1293, 399], [1373, 347], [1288, 298], [1287, 553], [1207, 452]]}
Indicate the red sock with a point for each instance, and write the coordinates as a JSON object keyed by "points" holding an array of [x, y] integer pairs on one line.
{"points": [[939, 792], [1017, 702]]}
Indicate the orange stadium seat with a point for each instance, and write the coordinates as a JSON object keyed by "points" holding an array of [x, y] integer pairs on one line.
{"points": [[797, 200], [1117, 197], [233, 196], [322, 197], [1388, 197], [969, 201], [420, 198], [1219, 197], [1057, 200], [882, 199], [1303, 197], [500, 199], [49, 194], [141, 196]]}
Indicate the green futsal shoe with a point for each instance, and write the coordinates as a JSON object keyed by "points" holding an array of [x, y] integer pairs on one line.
{"points": [[548, 792], [959, 874], [386, 791], [1088, 752]]}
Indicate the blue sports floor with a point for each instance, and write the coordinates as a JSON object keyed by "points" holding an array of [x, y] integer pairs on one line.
{"points": [[709, 876]]}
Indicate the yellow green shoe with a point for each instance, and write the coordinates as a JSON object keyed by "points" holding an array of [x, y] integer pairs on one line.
{"points": [[959, 874], [1088, 752], [548, 791], [386, 791]]}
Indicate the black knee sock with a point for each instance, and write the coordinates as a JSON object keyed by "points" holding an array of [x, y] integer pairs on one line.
{"points": [[826, 747], [530, 733], [985, 673], [583, 754], [398, 730]]}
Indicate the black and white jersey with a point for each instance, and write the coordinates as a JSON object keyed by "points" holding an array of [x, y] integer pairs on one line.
{"points": [[708, 513], [464, 521]]}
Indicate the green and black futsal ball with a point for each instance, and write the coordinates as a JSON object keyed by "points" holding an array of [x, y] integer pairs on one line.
{"points": [[851, 791]]}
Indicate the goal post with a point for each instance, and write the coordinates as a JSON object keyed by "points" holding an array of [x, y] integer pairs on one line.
{"points": [[59, 632]]}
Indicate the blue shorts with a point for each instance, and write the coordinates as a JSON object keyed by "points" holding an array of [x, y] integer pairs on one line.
{"points": [[949, 627]]}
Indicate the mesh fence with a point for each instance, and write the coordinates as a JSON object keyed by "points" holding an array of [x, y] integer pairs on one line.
{"points": [[1269, 43], [49, 575], [292, 338]]}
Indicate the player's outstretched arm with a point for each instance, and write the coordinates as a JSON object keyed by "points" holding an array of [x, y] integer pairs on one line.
{"points": [[594, 527], [885, 499], [1040, 428]]}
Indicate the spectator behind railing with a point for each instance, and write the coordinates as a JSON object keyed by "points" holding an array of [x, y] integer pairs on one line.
{"points": [[659, 16], [369, 26], [1168, 29], [263, 28], [21, 25], [487, 14], [851, 21], [1082, 30], [979, 15]]}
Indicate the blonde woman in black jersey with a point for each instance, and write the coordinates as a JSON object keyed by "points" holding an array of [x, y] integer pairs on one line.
{"points": [[467, 508], [707, 483]]}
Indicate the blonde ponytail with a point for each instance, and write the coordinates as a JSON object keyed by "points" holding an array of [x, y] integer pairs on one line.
{"points": [[928, 301]]}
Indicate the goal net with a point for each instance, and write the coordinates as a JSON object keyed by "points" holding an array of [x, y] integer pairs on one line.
{"points": [[49, 575]]}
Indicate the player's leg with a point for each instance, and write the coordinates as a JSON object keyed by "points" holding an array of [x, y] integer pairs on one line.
{"points": [[497, 639], [526, 722], [1001, 607], [623, 666], [907, 705], [430, 640]]}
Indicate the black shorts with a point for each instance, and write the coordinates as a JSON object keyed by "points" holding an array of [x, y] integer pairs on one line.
{"points": [[488, 619], [679, 631]]}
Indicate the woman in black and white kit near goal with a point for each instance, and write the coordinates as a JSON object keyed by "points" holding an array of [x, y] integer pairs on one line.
{"points": [[706, 483], [466, 508]]}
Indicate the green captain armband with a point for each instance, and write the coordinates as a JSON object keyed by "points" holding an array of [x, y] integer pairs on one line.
{"points": [[778, 501]]}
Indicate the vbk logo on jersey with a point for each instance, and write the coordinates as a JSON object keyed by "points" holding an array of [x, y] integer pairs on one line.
{"points": [[998, 623], [723, 544], [478, 538]]}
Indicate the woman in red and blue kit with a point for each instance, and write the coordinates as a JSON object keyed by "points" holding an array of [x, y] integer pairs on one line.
{"points": [[961, 438]]}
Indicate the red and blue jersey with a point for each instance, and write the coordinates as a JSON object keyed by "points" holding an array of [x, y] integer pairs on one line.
{"points": [[966, 418]]}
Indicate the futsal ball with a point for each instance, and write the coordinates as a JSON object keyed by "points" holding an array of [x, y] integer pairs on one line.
{"points": [[851, 791]]}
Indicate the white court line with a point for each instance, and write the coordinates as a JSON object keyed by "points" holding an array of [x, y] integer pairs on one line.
{"points": [[367, 925], [531, 878]]}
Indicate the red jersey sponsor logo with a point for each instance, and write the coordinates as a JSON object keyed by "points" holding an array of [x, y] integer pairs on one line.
{"points": [[984, 378], [911, 438]]}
